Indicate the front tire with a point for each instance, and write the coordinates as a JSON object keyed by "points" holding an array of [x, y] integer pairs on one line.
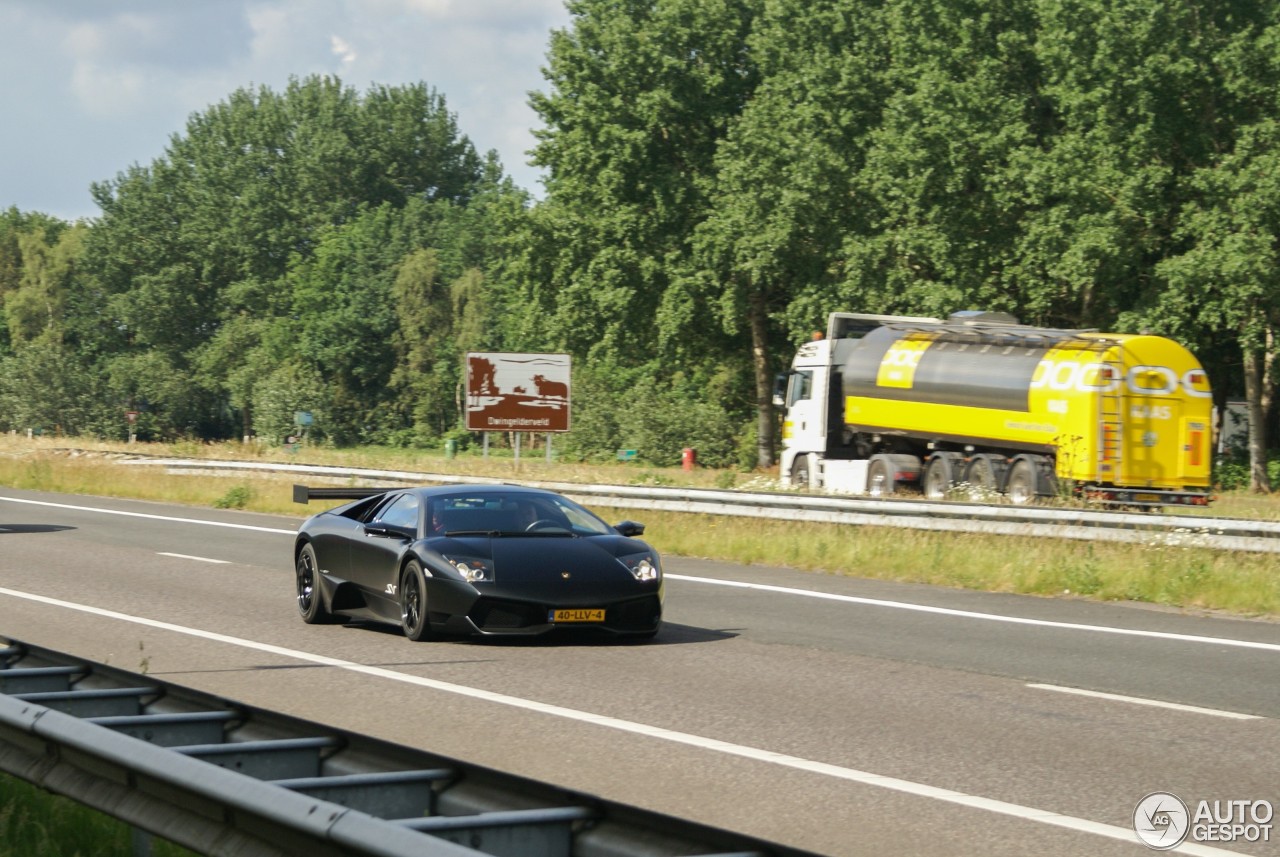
{"points": [[800, 473], [413, 602], [310, 600], [879, 479]]}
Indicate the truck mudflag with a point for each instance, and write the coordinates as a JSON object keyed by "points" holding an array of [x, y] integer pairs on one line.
{"points": [[508, 391], [980, 402]]}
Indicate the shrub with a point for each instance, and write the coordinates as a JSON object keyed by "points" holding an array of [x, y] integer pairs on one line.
{"points": [[237, 498], [1231, 473]]}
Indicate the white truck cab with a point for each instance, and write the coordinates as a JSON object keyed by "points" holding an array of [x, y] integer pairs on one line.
{"points": [[812, 398]]}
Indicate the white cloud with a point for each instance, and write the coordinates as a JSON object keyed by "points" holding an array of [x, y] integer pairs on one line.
{"points": [[107, 92], [102, 85], [343, 51], [106, 84], [430, 8]]}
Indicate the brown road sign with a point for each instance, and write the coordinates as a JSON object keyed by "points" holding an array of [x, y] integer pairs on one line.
{"points": [[507, 391]]}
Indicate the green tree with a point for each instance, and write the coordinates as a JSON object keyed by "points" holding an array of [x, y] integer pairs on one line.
{"points": [[1228, 280], [49, 379], [1218, 287], [29, 240], [36, 308], [642, 93], [781, 203], [46, 387], [427, 363], [198, 251], [1133, 94], [286, 391]]}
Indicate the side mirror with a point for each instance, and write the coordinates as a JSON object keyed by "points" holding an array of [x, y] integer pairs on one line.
{"points": [[780, 390], [630, 529]]}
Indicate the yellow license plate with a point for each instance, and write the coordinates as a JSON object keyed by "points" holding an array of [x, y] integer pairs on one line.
{"points": [[1146, 498], [576, 616]]}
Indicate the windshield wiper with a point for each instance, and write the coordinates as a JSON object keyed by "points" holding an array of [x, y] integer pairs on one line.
{"points": [[494, 534]]}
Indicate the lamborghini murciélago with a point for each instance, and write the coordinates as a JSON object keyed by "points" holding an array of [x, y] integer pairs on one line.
{"points": [[474, 559]]}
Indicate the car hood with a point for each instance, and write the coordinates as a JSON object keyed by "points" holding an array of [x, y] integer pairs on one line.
{"points": [[548, 559]]}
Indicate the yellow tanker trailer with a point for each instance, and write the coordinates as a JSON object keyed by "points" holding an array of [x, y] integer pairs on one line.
{"points": [[884, 402]]}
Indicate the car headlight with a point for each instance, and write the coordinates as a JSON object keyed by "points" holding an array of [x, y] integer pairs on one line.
{"points": [[472, 569], [644, 566]]}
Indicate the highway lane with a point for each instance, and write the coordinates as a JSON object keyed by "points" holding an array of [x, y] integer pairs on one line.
{"points": [[810, 698]]}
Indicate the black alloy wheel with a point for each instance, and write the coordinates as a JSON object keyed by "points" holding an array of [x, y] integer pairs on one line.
{"points": [[310, 601], [413, 602]]}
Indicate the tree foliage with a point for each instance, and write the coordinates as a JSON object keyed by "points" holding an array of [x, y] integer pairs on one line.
{"points": [[267, 239], [720, 175]]}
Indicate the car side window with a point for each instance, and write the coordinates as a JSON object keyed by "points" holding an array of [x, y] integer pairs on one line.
{"points": [[367, 510], [403, 512]]}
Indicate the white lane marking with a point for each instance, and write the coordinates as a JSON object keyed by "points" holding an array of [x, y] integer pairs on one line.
{"points": [[852, 599], [990, 617], [1137, 700], [150, 517], [196, 558], [1027, 813]]}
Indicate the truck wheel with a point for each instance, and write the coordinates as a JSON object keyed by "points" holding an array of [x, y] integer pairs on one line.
{"points": [[939, 477], [800, 473], [1021, 487], [982, 479], [879, 478]]}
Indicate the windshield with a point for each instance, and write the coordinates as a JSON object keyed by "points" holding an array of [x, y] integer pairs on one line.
{"points": [[495, 513]]}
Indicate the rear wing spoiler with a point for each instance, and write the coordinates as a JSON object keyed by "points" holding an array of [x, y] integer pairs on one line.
{"points": [[304, 493]]}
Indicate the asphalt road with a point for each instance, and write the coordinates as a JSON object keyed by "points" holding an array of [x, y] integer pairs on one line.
{"points": [[830, 713]]}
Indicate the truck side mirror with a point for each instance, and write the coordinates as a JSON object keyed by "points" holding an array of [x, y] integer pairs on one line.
{"points": [[780, 390]]}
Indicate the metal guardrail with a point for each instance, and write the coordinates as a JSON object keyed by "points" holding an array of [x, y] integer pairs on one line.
{"points": [[1045, 521], [227, 779]]}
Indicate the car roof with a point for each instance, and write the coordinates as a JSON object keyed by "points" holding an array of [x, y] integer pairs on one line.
{"points": [[475, 488]]}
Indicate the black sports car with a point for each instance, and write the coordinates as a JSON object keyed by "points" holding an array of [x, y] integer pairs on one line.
{"points": [[486, 559]]}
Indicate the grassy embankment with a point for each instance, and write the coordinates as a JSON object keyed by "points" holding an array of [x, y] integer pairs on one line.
{"points": [[1170, 572], [34, 823]]}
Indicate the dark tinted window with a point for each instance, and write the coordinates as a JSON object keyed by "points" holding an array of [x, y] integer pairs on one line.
{"points": [[402, 512], [492, 511]]}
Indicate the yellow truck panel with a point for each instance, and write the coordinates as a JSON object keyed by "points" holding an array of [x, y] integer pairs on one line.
{"points": [[1132, 411]]}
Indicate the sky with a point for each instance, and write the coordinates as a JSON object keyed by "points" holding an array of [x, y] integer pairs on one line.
{"points": [[93, 87]]}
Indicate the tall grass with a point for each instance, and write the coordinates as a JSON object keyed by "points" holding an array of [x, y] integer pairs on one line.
{"points": [[35, 823], [1166, 571]]}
